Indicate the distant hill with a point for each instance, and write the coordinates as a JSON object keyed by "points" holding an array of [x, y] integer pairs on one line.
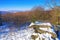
{"points": [[4, 12], [14, 11]]}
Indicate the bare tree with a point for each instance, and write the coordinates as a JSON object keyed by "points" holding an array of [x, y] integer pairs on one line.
{"points": [[54, 5], [0, 19]]}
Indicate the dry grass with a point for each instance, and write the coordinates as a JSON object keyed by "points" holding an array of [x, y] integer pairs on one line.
{"points": [[40, 26], [34, 37]]}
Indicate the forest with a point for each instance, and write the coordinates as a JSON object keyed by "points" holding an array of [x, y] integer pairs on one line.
{"points": [[37, 14]]}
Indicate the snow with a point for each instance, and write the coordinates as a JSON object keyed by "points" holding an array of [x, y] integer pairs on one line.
{"points": [[59, 35], [47, 29], [31, 24], [25, 34], [19, 35], [46, 36], [41, 23]]}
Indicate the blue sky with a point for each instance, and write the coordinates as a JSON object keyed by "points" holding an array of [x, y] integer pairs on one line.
{"points": [[20, 4]]}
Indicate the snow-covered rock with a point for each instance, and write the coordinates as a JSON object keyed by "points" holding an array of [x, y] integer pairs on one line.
{"points": [[25, 34], [40, 23]]}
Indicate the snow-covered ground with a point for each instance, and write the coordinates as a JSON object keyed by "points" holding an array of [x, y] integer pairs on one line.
{"points": [[25, 33], [18, 35]]}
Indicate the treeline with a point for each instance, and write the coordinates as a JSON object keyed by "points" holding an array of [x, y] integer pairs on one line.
{"points": [[36, 14]]}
